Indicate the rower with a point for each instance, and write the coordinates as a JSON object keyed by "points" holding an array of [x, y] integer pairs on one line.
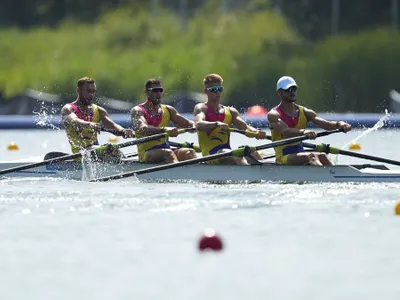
{"points": [[213, 121], [152, 117], [82, 118], [290, 120]]}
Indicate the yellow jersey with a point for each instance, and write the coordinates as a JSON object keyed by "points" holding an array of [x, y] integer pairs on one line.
{"points": [[83, 138], [157, 120], [213, 141], [299, 122]]}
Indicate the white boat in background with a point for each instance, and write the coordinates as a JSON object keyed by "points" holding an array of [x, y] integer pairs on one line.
{"points": [[266, 172]]}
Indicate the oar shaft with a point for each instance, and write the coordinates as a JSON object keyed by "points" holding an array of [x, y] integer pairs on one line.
{"points": [[113, 131], [41, 163], [370, 157], [293, 140], [333, 150]]}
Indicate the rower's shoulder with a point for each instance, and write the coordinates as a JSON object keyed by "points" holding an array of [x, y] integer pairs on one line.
{"points": [[67, 108], [273, 112], [137, 109], [200, 107], [100, 109]]}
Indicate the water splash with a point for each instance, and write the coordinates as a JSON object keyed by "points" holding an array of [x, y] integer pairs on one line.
{"points": [[46, 117], [88, 166], [381, 123]]}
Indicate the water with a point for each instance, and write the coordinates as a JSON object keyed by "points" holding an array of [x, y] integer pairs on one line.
{"points": [[367, 131], [129, 240]]}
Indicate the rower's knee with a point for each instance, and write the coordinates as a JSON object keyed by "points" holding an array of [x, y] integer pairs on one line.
{"points": [[189, 154], [170, 157], [312, 158], [185, 154], [324, 159]]}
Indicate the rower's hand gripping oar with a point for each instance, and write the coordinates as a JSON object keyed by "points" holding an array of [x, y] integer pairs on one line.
{"points": [[248, 133], [115, 132], [328, 149], [185, 145], [103, 148], [173, 144], [237, 152]]}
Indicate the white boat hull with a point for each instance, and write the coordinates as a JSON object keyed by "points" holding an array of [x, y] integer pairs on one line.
{"points": [[219, 173]]}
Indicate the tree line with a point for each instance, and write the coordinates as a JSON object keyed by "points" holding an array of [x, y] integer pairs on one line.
{"points": [[311, 18]]}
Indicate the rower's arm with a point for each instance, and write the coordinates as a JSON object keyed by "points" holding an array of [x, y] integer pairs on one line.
{"points": [[320, 122], [200, 119], [106, 120], [69, 118], [140, 125], [178, 119], [239, 122], [276, 123]]}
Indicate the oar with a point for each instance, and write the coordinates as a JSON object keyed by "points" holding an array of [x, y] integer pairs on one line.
{"points": [[176, 145], [185, 145], [113, 131], [243, 151], [247, 133], [98, 150], [328, 149]]}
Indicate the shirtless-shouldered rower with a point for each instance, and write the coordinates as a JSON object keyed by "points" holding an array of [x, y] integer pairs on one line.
{"points": [[289, 120], [213, 121], [152, 117]]}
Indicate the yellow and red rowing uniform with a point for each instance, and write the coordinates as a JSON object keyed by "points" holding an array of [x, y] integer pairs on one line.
{"points": [[299, 122], [158, 120], [214, 140], [83, 138]]}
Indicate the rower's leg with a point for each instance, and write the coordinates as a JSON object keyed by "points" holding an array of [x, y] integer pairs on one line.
{"points": [[304, 158], [241, 161], [324, 159], [185, 154], [256, 155], [155, 156], [114, 156]]}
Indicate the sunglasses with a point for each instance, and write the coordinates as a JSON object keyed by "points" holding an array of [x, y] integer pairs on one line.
{"points": [[292, 89], [156, 89], [215, 89]]}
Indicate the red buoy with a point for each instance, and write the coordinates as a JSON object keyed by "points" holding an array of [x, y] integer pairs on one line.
{"points": [[256, 110], [210, 241]]}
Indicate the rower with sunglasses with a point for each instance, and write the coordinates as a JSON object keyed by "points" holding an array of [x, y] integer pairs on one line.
{"points": [[152, 117], [290, 120], [214, 120]]}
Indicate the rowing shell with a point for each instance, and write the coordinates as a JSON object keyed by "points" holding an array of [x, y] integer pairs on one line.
{"points": [[267, 172]]}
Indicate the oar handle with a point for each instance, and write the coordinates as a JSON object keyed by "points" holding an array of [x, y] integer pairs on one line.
{"points": [[113, 131], [121, 132], [146, 139], [185, 145], [250, 134]]}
